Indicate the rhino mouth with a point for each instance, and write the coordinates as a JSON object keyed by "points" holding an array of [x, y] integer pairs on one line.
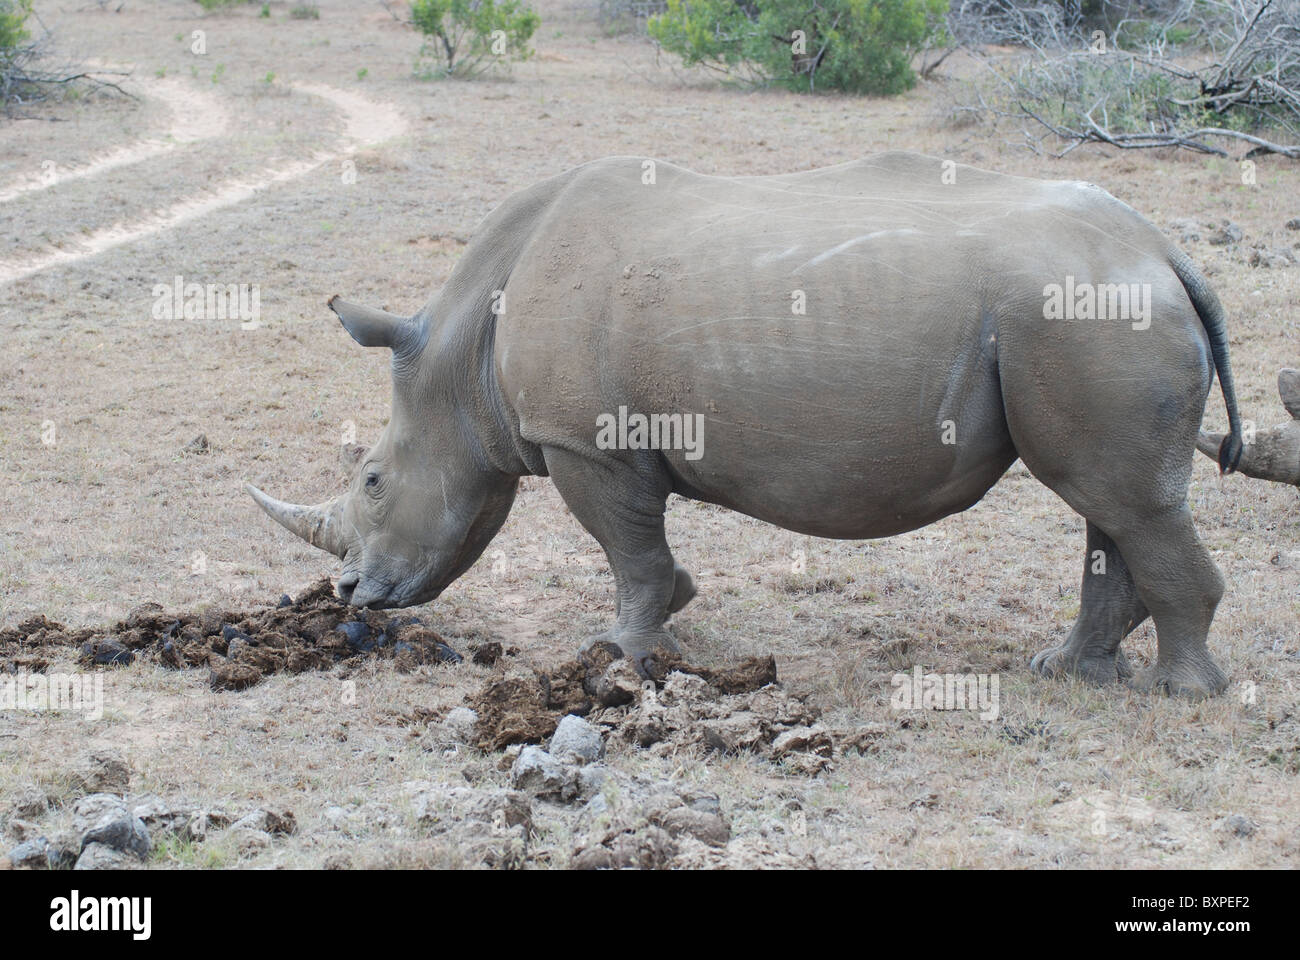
{"points": [[359, 590]]}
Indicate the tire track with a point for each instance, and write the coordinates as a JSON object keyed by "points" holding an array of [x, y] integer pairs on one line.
{"points": [[195, 116], [367, 123]]}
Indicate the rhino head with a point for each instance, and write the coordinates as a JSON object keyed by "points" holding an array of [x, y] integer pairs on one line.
{"points": [[1275, 454], [426, 499]]}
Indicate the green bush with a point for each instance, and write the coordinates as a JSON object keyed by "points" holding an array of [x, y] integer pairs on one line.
{"points": [[13, 33], [467, 37], [858, 46]]}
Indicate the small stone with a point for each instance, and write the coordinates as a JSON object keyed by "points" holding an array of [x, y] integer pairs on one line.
{"points": [[31, 855], [97, 810], [267, 822], [803, 739], [538, 773], [204, 823], [105, 772], [1236, 824], [1293, 223], [158, 814], [99, 856], [22, 830], [249, 840], [29, 802], [592, 779], [488, 654], [1228, 233], [577, 740], [126, 834], [458, 725], [708, 828], [107, 652]]}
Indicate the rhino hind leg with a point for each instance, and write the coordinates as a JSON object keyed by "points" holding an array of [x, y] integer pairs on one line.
{"points": [[1181, 586], [623, 508], [1109, 610]]}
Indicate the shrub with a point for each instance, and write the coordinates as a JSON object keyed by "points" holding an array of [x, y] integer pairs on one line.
{"points": [[858, 46], [467, 37]]}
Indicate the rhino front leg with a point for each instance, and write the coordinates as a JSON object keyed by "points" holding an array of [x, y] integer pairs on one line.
{"points": [[623, 508], [1109, 610]]}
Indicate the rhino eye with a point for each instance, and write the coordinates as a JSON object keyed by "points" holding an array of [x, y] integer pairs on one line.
{"points": [[372, 480]]}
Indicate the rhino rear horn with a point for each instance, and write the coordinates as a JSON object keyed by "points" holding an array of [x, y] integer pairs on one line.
{"points": [[371, 327]]}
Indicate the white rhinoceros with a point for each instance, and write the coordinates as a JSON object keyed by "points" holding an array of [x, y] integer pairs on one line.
{"points": [[860, 351]]}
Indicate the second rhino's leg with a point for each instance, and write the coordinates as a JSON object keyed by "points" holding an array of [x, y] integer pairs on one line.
{"points": [[623, 508], [1109, 610]]}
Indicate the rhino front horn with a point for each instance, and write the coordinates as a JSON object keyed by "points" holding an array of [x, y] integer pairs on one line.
{"points": [[319, 525], [1275, 454]]}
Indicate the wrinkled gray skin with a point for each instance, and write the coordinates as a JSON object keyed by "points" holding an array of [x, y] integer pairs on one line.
{"points": [[1275, 453], [924, 316]]}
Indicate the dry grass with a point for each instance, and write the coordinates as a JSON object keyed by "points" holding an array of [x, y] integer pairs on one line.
{"points": [[112, 514]]}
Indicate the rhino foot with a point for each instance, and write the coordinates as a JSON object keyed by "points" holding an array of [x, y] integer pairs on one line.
{"points": [[1100, 670], [1192, 679], [637, 645]]}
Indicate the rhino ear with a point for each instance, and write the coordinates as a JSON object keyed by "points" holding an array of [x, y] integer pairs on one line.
{"points": [[373, 328]]}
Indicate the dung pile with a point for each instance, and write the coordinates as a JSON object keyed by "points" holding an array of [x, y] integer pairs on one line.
{"points": [[312, 632], [677, 706]]}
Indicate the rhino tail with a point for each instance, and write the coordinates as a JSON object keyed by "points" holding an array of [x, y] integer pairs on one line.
{"points": [[1210, 310]]}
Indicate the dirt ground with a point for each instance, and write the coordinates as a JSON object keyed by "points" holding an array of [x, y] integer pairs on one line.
{"points": [[302, 156]]}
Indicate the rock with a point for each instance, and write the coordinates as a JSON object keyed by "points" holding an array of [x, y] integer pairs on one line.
{"points": [[249, 840], [99, 856], [65, 847], [29, 801], [1226, 234], [1293, 223], [729, 734], [708, 828], [1236, 824], [205, 823], [537, 773], [803, 739], [860, 739], [458, 725], [160, 815], [104, 772], [97, 810], [650, 848], [105, 652], [126, 834], [31, 855], [619, 684], [198, 446], [1270, 258], [441, 807], [1187, 230], [267, 822], [488, 654], [22, 830], [577, 740], [592, 779]]}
